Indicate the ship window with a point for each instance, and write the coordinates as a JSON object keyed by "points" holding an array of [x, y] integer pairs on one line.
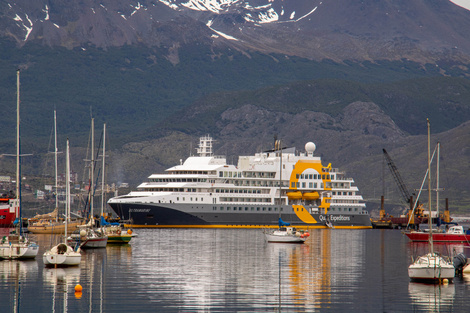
{"points": [[314, 185], [275, 209], [221, 208], [293, 185], [257, 209], [191, 199], [298, 184], [303, 185], [177, 198], [264, 209], [252, 208], [297, 176], [246, 209], [228, 208]]}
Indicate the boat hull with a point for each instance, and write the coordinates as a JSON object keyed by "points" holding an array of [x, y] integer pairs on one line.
{"points": [[18, 251], [66, 257], [54, 228], [92, 243], [7, 217], [119, 239], [431, 268], [230, 216], [438, 237]]}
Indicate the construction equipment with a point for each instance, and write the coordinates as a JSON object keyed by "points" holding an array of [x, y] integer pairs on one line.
{"points": [[390, 221], [396, 175]]}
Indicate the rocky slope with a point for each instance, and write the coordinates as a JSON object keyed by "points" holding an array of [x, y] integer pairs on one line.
{"points": [[422, 30]]}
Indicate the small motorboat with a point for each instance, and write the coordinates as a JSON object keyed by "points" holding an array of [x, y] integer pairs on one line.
{"points": [[286, 234]]}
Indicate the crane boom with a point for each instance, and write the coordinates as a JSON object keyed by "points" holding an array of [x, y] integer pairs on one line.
{"points": [[396, 175]]}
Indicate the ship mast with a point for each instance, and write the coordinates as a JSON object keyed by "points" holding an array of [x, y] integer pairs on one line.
{"points": [[431, 247]]}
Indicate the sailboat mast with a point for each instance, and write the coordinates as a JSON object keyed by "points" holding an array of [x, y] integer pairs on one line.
{"points": [[437, 179], [67, 188], [429, 189], [92, 167], [17, 134], [103, 169], [55, 159], [18, 151]]}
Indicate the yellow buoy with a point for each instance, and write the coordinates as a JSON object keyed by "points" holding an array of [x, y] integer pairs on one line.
{"points": [[78, 288], [445, 281]]}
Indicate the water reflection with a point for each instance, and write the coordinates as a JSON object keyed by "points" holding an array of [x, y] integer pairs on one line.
{"points": [[238, 269], [432, 297], [219, 270]]}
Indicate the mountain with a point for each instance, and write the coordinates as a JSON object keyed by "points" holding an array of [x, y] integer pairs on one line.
{"points": [[419, 30], [352, 76]]}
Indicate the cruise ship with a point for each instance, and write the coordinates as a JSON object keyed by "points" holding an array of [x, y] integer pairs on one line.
{"points": [[206, 192]]}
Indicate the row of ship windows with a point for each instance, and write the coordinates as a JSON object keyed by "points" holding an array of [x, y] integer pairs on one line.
{"points": [[263, 200], [247, 174], [315, 185], [246, 209], [304, 185], [344, 209], [178, 180], [315, 176]]}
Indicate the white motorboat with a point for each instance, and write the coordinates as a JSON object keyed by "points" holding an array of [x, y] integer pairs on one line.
{"points": [[285, 235], [431, 267], [63, 254]]}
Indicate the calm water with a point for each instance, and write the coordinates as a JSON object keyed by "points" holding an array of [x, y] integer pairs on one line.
{"points": [[221, 270]]}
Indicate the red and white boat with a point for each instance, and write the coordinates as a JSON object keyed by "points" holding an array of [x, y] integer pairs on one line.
{"points": [[8, 211], [453, 234]]}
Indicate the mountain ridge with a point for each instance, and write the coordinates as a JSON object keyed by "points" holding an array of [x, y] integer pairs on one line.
{"points": [[419, 30]]}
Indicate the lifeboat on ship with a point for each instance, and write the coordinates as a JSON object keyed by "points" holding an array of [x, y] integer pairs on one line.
{"points": [[294, 195], [311, 195]]}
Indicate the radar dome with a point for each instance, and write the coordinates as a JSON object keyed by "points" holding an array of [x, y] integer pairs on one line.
{"points": [[310, 147]]}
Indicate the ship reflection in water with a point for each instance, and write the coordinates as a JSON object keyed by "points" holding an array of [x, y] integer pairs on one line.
{"points": [[220, 270]]}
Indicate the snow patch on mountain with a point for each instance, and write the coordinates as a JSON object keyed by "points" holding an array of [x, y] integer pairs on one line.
{"points": [[462, 3]]}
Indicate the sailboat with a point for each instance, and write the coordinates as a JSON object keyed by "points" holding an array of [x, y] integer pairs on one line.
{"points": [[284, 233], [114, 231], [87, 236], [51, 223], [431, 267], [63, 254], [16, 245]]}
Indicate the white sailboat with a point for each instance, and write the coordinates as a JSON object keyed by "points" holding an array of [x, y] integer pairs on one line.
{"points": [[431, 267], [63, 254], [16, 245]]}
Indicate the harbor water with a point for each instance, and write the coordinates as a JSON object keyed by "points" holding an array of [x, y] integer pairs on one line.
{"points": [[235, 270]]}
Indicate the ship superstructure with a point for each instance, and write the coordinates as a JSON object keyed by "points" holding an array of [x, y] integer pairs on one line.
{"points": [[205, 191]]}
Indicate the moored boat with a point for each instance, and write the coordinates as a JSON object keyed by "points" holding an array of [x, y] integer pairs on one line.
{"points": [[16, 245], [63, 254], [431, 267], [8, 211], [453, 234], [205, 191]]}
